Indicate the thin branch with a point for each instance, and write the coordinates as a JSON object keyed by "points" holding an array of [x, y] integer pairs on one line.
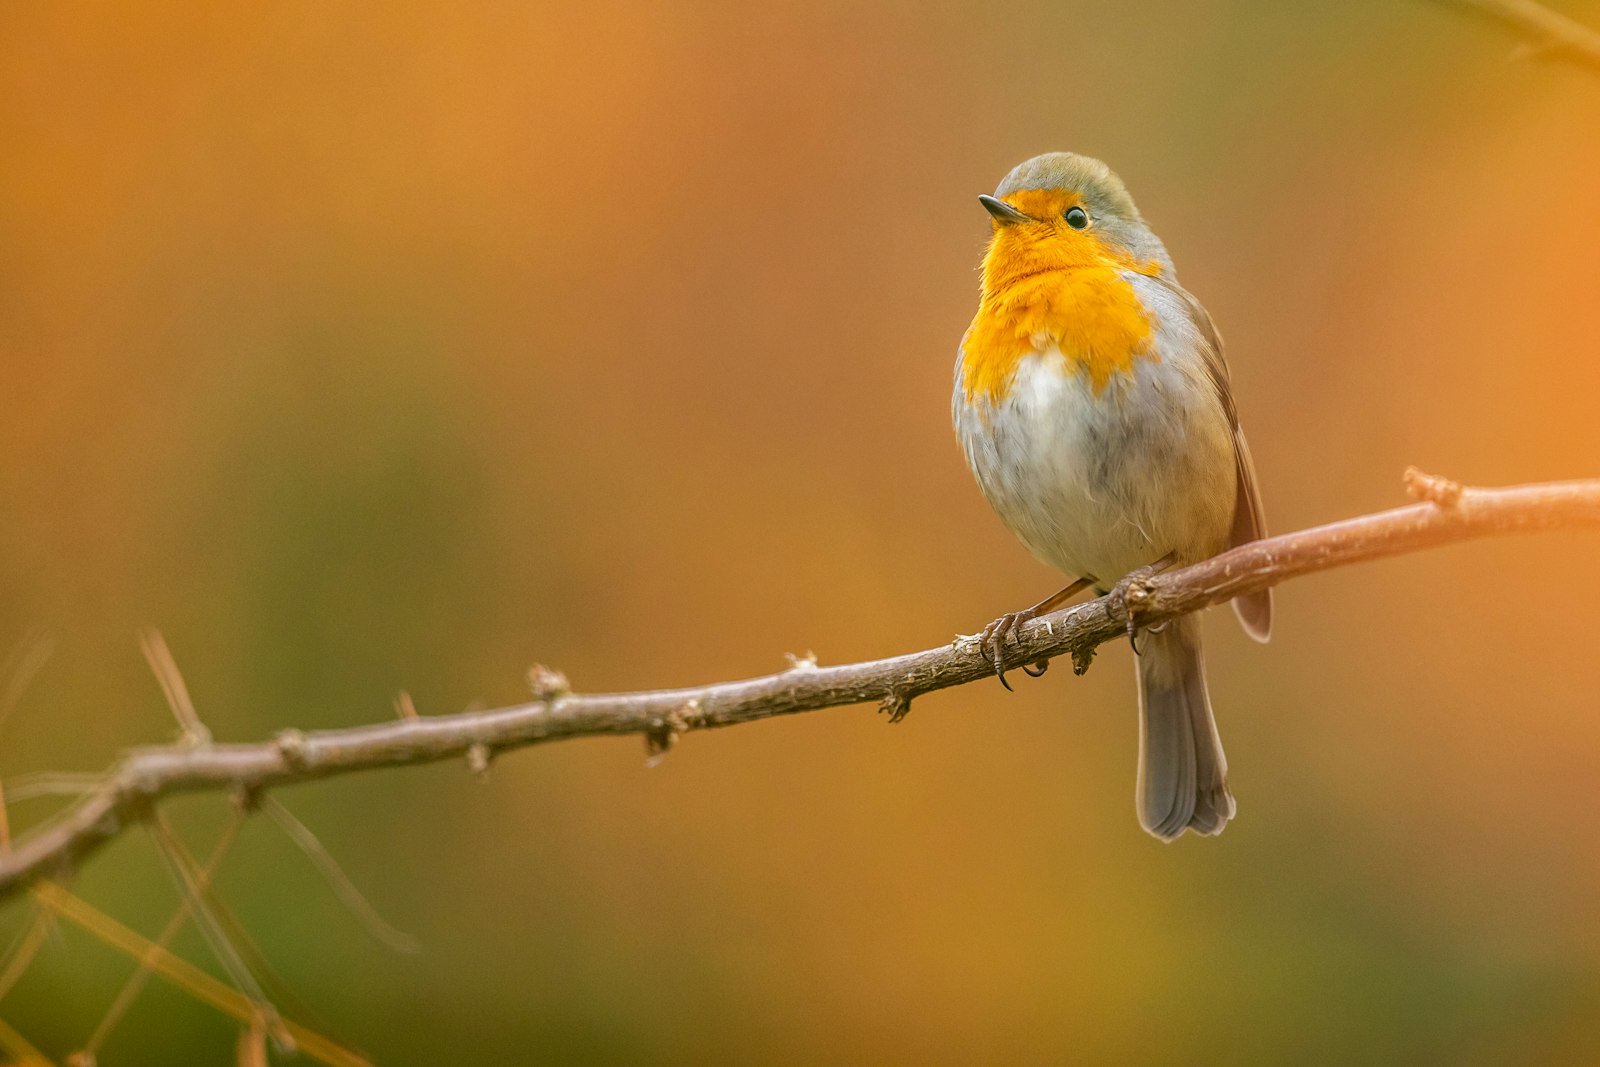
{"points": [[173, 687], [22, 664], [345, 889], [19, 956], [141, 973], [1446, 513], [46, 784], [199, 984], [194, 888], [251, 1048], [1545, 32], [21, 1052]]}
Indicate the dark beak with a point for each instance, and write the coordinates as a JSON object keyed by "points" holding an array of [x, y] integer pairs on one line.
{"points": [[1003, 212]]}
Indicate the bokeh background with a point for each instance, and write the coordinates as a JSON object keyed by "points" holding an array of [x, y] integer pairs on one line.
{"points": [[400, 347]]}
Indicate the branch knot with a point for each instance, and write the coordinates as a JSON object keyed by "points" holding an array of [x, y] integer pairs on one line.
{"points": [[292, 746], [1430, 488], [663, 732], [547, 684]]}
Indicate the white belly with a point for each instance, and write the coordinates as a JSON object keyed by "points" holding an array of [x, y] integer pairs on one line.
{"points": [[1099, 485]]}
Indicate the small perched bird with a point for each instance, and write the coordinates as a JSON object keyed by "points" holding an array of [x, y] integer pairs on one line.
{"points": [[1092, 401]]}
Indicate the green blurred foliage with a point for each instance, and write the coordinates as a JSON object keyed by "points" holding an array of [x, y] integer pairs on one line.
{"points": [[363, 352]]}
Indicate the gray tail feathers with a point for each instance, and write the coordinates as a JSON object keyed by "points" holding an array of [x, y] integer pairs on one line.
{"points": [[1183, 775]]}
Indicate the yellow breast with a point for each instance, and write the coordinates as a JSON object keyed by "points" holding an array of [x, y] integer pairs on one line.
{"points": [[1044, 286]]}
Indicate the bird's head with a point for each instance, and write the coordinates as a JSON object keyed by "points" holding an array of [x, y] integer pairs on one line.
{"points": [[1062, 210]]}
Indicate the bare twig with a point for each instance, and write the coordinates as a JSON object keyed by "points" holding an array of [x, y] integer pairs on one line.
{"points": [[24, 661], [343, 887], [165, 668], [45, 784], [191, 888], [251, 1048], [20, 954], [1544, 32], [21, 1052], [136, 981], [194, 887], [21, 665], [197, 983], [147, 775]]}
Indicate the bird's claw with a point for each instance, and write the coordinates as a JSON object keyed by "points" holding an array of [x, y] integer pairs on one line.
{"points": [[1133, 591], [992, 642]]}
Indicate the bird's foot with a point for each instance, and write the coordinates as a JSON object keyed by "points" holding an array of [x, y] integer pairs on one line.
{"points": [[992, 642], [1131, 594]]}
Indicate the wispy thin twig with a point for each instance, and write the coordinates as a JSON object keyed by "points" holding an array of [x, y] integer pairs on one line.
{"points": [[165, 668], [23, 662], [21, 665], [342, 886], [20, 1050], [185, 975], [191, 888], [50, 784], [145, 963], [1544, 32], [22, 951]]}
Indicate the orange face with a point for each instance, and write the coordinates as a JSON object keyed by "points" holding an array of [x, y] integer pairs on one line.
{"points": [[1050, 241], [1051, 281]]}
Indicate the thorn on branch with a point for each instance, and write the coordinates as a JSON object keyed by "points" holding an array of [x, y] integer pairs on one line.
{"points": [[806, 661], [1081, 659], [292, 746], [165, 668], [547, 684], [403, 707], [1432, 489], [479, 757]]}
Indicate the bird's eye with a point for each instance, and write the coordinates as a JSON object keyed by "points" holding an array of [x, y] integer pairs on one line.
{"points": [[1077, 218]]}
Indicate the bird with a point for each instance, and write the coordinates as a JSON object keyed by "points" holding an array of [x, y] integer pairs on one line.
{"points": [[1094, 407]]}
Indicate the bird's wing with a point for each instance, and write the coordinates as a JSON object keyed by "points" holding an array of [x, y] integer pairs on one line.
{"points": [[1249, 524]]}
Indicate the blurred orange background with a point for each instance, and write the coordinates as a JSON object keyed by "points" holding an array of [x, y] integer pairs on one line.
{"points": [[399, 348]]}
